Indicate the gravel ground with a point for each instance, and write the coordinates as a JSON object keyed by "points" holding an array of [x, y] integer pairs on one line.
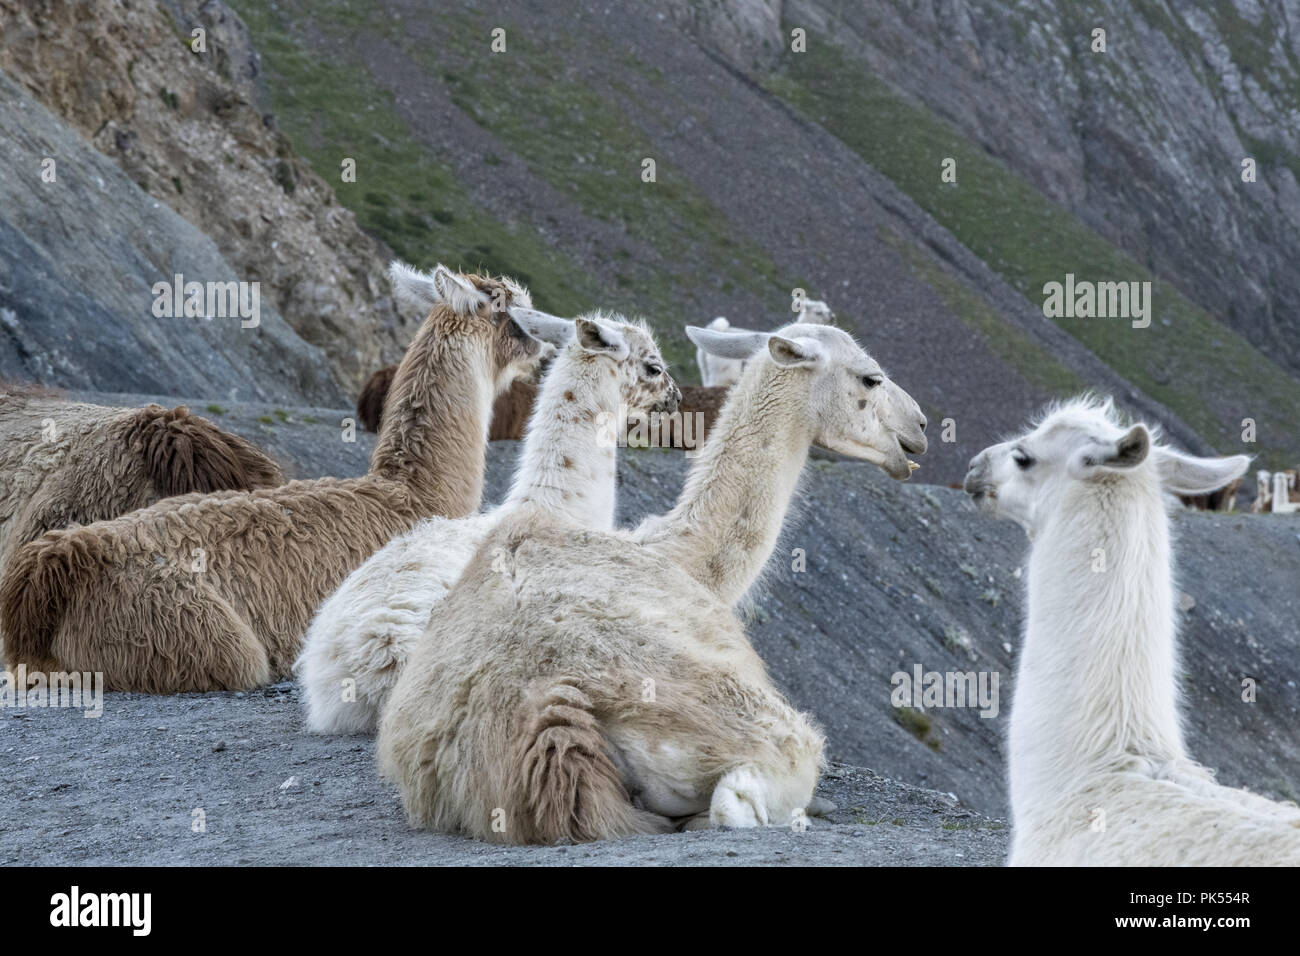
{"points": [[125, 788]]}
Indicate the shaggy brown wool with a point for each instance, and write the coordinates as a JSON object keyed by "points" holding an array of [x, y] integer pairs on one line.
{"points": [[214, 592], [64, 463]]}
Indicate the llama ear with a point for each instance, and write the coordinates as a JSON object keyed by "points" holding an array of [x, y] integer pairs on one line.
{"points": [[412, 286], [550, 329], [461, 295], [734, 344], [599, 337], [791, 353], [1188, 475], [1128, 451]]}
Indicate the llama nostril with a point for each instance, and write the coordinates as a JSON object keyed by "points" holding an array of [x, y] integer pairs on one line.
{"points": [[923, 424]]}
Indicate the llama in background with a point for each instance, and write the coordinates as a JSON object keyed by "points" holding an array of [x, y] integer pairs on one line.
{"points": [[64, 463], [719, 372]]}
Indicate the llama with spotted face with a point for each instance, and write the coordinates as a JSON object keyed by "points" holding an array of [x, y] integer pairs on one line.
{"points": [[363, 634], [1099, 771], [585, 684]]}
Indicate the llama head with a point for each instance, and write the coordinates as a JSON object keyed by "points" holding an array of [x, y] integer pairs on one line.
{"points": [[472, 306], [1024, 479], [624, 349], [816, 312], [854, 408]]}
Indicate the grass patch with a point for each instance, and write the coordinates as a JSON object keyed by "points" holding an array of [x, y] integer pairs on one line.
{"points": [[331, 111], [919, 724]]}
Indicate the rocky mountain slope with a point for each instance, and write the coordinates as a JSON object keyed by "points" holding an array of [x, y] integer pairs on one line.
{"points": [[773, 170], [185, 127], [76, 302]]}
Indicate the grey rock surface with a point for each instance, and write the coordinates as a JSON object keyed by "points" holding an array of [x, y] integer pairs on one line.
{"points": [[78, 261], [1143, 142]]}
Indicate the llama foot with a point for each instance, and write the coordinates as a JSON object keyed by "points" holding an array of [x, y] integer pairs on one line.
{"points": [[739, 800]]}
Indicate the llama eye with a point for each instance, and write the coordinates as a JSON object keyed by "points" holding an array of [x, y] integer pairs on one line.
{"points": [[871, 381], [653, 370], [1022, 460]]}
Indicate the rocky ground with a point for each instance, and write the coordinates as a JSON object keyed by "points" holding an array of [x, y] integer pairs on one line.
{"points": [[124, 788], [897, 575]]}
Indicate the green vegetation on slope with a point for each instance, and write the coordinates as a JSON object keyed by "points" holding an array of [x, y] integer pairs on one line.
{"points": [[1031, 360], [330, 110], [567, 134], [1030, 241]]}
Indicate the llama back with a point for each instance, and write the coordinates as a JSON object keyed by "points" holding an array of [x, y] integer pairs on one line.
{"points": [[184, 453], [363, 633], [67, 463], [94, 584]]}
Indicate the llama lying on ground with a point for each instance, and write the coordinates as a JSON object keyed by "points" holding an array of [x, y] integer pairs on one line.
{"points": [[719, 372], [65, 463], [210, 593], [1099, 771], [362, 636], [586, 684]]}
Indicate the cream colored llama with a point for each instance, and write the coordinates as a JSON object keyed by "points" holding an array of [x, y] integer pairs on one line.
{"points": [[716, 371], [1099, 771], [214, 592], [586, 684], [362, 636]]}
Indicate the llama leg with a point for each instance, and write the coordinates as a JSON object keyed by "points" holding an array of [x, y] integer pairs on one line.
{"points": [[223, 653]]}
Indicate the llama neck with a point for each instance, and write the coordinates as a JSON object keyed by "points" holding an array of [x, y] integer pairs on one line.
{"points": [[433, 435], [1096, 682], [733, 504], [566, 469]]}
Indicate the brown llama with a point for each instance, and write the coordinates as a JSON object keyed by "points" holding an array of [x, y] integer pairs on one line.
{"points": [[214, 592], [509, 413], [64, 463]]}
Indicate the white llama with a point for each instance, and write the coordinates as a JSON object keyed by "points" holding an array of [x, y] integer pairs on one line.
{"points": [[1099, 772], [362, 635], [815, 312], [716, 371], [586, 684], [720, 372]]}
